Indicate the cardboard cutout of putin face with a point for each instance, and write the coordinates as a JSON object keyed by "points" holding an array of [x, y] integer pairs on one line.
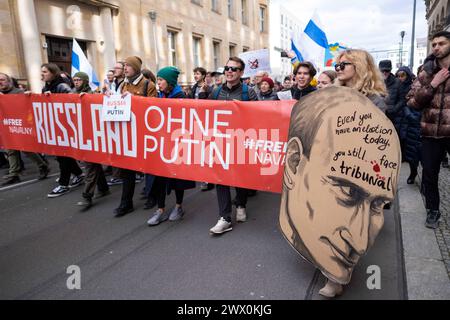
{"points": [[342, 167]]}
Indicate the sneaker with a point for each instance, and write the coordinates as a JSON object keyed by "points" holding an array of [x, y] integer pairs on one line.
{"points": [[176, 214], [43, 173], [11, 180], [158, 217], [432, 221], [241, 216], [76, 181], [58, 191], [221, 226], [115, 182]]}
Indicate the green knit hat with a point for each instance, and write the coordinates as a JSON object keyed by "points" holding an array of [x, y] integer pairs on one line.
{"points": [[82, 75], [170, 74]]}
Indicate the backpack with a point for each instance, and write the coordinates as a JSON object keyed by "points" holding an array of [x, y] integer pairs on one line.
{"points": [[245, 96]]}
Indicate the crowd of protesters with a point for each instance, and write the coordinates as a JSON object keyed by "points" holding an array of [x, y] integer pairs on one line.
{"points": [[418, 106]]}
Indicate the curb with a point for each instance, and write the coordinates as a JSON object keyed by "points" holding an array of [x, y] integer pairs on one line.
{"points": [[426, 274]]}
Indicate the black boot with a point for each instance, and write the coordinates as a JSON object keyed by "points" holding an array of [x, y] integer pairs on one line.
{"points": [[412, 175]]}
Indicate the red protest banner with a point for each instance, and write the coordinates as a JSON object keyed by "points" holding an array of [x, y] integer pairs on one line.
{"points": [[232, 143]]}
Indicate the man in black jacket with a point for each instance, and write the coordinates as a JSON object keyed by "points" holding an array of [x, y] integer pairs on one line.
{"points": [[393, 87], [233, 89]]}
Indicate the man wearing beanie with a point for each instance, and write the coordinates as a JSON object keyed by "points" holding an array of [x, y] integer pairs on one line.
{"points": [[134, 84], [393, 86], [266, 92]]}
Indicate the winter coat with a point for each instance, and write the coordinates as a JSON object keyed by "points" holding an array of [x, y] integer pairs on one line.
{"points": [[268, 96], [297, 93], [378, 101], [13, 90], [397, 112], [435, 103], [136, 86], [201, 95], [173, 183], [412, 143], [57, 85], [235, 93], [393, 97]]}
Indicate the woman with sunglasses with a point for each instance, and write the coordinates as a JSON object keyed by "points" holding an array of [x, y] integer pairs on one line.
{"points": [[356, 69]]}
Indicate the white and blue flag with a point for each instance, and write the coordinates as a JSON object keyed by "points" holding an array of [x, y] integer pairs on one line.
{"points": [[312, 43], [81, 63]]}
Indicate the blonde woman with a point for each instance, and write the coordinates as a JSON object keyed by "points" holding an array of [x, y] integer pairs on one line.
{"points": [[356, 69]]}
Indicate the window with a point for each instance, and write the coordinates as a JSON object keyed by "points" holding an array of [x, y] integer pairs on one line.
{"points": [[197, 2], [245, 49], [232, 50], [196, 51], [244, 12], [230, 9], [262, 19], [172, 40], [216, 53], [215, 5], [59, 52]]}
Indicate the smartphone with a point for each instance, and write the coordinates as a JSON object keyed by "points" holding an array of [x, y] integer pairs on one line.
{"points": [[284, 54]]}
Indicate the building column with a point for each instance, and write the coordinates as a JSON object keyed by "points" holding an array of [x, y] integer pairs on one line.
{"points": [[109, 53], [31, 43]]}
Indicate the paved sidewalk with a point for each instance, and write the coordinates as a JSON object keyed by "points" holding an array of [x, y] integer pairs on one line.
{"points": [[426, 252]]}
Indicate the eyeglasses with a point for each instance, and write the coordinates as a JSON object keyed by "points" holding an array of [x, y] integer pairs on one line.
{"points": [[233, 69], [341, 65]]}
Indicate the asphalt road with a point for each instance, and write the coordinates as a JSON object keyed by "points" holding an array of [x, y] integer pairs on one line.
{"points": [[123, 258]]}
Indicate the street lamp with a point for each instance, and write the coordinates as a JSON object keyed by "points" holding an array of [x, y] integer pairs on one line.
{"points": [[402, 34], [411, 58], [152, 14]]}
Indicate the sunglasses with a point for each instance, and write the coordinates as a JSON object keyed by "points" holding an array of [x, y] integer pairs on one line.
{"points": [[233, 69], [341, 65]]}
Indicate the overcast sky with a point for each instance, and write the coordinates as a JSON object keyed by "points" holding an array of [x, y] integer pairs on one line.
{"points": [[367, 24]]}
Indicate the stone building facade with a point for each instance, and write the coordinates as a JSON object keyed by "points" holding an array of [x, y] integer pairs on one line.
{"points": [[437, 16], [185, 33]]}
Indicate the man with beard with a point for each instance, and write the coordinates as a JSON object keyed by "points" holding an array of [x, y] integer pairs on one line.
{"points": [[432, 96]]}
